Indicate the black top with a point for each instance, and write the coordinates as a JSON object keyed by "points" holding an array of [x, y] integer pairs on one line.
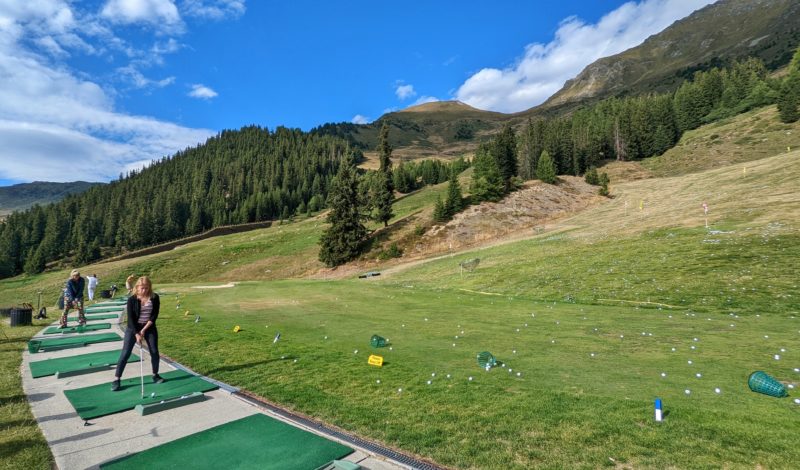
{"points": [[134, 308]]}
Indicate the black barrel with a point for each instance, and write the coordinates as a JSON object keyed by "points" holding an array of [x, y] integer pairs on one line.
{"points": [[21, 317], [5, 312], [105, 294]]}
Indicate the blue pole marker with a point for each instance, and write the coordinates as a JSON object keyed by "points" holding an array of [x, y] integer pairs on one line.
{"points": [[659, 412]]}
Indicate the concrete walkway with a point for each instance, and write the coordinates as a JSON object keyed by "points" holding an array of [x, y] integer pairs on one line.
{"points": [[78, 446]]}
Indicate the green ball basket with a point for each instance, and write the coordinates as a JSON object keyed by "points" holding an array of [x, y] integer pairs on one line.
{"points": [[377, 341], [485, 359], [761, 382]]}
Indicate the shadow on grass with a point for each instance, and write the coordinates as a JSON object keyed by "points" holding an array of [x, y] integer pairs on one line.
{"points": [[10, 448], [246, 365]]}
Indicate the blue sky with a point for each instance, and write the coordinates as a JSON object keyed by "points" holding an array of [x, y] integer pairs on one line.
{"points": [[91, 89]]}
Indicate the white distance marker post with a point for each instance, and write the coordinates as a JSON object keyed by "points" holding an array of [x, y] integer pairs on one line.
{"points": [[659, 412]]}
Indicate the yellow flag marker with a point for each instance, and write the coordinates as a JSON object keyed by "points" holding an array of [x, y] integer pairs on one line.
{"points": [[375, 360], [236, 329]]}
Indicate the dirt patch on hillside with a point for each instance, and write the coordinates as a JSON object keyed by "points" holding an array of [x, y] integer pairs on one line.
{"points": [[527, 212]]}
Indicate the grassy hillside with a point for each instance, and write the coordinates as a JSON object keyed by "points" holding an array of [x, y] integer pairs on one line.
{"points": [[23, 196], [750, 136]]}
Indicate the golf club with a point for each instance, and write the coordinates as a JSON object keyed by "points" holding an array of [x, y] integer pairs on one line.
{"points": [[141, 368]]}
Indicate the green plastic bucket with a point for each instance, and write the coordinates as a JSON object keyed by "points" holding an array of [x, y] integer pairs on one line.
{"points": [[761, 382], [486, 360], [377, 341]]}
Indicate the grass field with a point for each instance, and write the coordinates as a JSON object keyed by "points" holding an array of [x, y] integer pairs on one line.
{"points": [[588, 374], [22, 444]]}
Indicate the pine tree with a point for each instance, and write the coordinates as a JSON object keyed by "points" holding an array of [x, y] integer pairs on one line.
{"points": [[546, 169], [504, 151], [384, 194], [455, 200], [487, 184], [439, 211], [789, 96], [345, 237]]}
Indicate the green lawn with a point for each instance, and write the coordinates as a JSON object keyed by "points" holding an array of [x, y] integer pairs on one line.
{"points": [[567, 408], [22, 445]]}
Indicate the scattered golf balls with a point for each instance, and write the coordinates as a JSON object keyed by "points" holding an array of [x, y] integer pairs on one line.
{"points": [[717, 390]]}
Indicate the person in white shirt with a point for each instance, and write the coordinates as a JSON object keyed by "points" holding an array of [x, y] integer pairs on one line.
{"points": [[92, 285]]}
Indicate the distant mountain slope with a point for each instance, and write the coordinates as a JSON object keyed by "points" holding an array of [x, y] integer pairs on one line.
{"points": [[25, 195], [714, 35], [437, 129]]}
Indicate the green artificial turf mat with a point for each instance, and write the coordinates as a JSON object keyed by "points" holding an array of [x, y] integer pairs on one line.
{"points": [[254, 442], [54, 330], [104, 309], [38, 345], [76, 363], [102, 316], [99, 400]]}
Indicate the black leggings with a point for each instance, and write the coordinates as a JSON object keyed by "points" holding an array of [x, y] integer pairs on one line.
{"points": [[151, 337]]}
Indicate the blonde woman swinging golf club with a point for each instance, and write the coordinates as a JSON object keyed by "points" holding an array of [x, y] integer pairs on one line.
{"points": [[142, 308]]}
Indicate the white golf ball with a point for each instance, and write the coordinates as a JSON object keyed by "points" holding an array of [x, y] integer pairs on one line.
{"points": [[517, 330], [797, 369], [717, 390], [391, 348], [698, 375], [325, 337], [514, 351], [152, 394], [621, 336], [777, 357], [673, 349], [649, 334], [488, 368], [695, 339], [553, 341], [295, 360], [429, 382], [766, 336], [355, 352], [687, 391], [470, 379], [783, 350], [378, 381], [692, 347], [399, 390], [509, 369], [454, 344], [448, 376], [689, 362], [519, 374], [790, 385], [797, 400], [663, 374], [433, 374], [592, 354]]}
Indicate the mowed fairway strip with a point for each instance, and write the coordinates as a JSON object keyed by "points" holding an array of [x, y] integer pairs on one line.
{"points": [[577, 387]]}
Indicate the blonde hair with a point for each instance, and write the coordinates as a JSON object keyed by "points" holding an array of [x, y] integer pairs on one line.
{"points": [[144, 280]]}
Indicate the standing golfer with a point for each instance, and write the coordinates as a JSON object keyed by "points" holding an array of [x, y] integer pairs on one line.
{"points": [[129, 284], [92, 285], [142, 309], [73, 298]]}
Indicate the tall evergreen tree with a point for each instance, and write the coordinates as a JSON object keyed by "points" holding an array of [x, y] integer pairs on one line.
{"points": [[455, 200], [546, 169], [384, 194], [487, 183], [789, 96], [504, 151], [344, 239]]}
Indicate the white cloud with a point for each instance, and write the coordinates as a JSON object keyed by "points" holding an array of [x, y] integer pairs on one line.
{"points": [[202, 92], [404, 91], [59, 124], [157, 13], [138, 80], [359, 119], [544, 68], [213, 9], [425, 99]]}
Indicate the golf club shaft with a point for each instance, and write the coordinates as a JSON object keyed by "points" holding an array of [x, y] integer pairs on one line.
{"points": [[141, 367]]}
